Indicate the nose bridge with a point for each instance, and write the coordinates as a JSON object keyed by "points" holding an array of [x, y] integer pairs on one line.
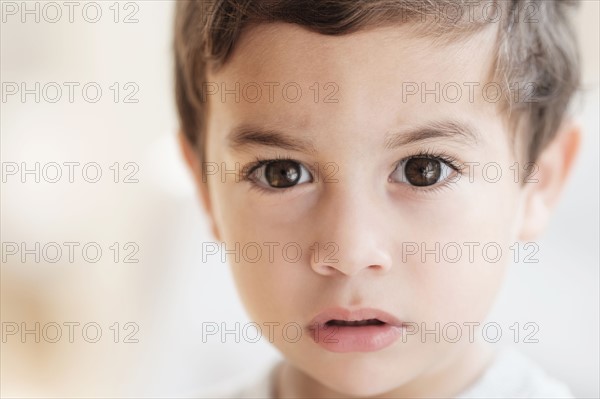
{"points": [[351, 224]]}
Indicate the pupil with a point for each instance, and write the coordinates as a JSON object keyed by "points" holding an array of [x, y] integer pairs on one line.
{"points": [[422, 171], [282, 174]]}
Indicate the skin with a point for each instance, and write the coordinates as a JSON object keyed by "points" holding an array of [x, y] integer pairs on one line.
{"points": [[363, 213]]}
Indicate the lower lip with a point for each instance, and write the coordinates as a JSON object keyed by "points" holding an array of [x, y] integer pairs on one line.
{"points": [[344, 339]]}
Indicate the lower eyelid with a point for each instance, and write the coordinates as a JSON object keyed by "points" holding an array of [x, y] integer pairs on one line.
{"points": [[454, 166], [446, 179], [256, 183]]}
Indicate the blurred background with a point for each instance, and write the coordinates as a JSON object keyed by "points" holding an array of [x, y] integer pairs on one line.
{"points": [[130, 300]]}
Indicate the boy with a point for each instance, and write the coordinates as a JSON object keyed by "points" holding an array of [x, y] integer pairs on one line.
{"points": [[400, 148]]}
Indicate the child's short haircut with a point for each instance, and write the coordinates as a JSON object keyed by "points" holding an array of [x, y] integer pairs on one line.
{"points": [[535, 46]]}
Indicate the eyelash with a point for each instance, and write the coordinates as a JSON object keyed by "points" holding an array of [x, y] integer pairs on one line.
{"points": [[441, 156], [438, 156], [249, 169]]}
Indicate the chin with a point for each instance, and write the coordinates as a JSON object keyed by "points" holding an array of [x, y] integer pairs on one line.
{"points": [[359, 387], [360, 378]]}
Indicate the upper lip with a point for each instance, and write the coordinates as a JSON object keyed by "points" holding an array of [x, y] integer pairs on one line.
{"points": [[339, 313]]}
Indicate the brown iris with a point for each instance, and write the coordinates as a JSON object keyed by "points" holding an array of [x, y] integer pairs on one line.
{"points": [[422, 171], [282, 174]]}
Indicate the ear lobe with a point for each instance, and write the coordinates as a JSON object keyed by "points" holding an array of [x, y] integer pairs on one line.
{"points": [[193, 162], [543, 191]]}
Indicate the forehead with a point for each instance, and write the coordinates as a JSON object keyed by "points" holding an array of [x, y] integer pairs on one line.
{"points": [[284, 45], [375, 79]]}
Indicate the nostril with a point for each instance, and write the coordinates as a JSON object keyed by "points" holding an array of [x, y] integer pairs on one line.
{"points": [[329, 269], [325, 269]]}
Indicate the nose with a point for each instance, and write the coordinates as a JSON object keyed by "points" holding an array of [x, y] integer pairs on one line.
{"points": [[353, 236]]}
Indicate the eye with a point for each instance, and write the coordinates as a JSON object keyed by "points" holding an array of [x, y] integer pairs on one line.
{"points": [[280, 174], [422, 171]]}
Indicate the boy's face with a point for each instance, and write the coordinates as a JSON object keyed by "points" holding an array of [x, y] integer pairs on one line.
{"points": [[412, 237]]}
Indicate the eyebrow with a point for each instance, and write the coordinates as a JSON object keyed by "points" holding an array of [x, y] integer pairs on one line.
{"points": [[449, 129], [251, 135]]}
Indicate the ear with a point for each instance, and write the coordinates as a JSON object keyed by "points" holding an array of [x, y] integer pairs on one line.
{"points": [[190, 154], [551, 169]]}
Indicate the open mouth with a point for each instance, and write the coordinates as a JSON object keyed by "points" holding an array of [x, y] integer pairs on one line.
{"points": [[365, 317], [354, 323], [360, 330]]}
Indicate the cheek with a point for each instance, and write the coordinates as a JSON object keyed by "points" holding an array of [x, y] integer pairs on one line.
{"points": [[270, 261], [455, 292], [461, 255]]}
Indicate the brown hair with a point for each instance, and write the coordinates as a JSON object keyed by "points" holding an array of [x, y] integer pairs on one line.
{"points": [[535, 44]]}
